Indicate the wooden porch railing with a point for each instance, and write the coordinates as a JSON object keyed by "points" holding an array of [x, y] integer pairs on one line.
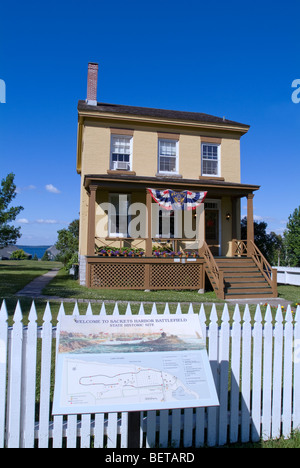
{"points": [[243, 248], [213, 271], [174, 244]]}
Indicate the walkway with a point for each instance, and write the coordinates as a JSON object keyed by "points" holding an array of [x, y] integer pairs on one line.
{"points": [[35, 288]]}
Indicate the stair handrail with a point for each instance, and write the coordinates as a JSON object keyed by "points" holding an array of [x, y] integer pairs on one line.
{"points": [[269, 273], [239, 248], [213, 268], [250, 249]]}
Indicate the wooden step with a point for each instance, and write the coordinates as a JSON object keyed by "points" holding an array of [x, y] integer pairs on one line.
{"points": [[249, 290], [240, 271], [248, 296], [231, 261], [242, 278]]}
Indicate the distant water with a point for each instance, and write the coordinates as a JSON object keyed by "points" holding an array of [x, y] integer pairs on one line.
{"points": [[190, 345], [39, 250]]}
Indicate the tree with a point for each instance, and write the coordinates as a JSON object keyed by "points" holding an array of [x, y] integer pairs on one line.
{"points": [[292, 239], [270, 245], [45, 257], [68, 244], [18, 255], [8, 234]]}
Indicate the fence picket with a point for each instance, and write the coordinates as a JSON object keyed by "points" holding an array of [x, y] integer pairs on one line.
{"points": [[257, 375], [296, 360], [164, 414], [85, 439], [235, 375], [58, 420], [176, 413], [151, 429], [99, 431], [45, 379], [267, 375], [200, 412], [72, 419], [14, 381], [224, 370], [188, 414], [3, 369], [246, 375], [112, 430], [277, 375], [237, 353], [213, 354], [287, 375], [29, 379]]}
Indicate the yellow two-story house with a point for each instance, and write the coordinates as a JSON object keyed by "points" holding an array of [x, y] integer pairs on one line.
{"points": [[132, 162]]}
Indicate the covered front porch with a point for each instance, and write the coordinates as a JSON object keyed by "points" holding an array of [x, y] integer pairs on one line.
{"points": [[161, 256]]}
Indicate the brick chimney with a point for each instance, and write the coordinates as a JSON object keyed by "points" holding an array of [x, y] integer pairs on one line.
{"points": [[92, 80]]}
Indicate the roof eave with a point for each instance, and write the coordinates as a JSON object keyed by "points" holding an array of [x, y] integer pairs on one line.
{"points": [[87, 111]]}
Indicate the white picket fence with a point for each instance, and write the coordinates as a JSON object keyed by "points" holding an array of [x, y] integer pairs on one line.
{"points": [[256, 367]]}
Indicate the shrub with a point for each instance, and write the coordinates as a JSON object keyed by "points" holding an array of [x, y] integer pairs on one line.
{"points": [[18, 255]]}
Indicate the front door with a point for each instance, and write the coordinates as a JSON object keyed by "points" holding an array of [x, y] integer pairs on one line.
{"points": [[212, 231]]}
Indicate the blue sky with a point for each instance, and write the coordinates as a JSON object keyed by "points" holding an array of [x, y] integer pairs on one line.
{"points": [[223, 58]]}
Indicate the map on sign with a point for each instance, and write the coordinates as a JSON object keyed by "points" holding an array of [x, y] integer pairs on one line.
{"points": [[131, 363]]}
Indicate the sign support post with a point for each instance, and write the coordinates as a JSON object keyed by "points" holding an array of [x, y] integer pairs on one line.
{"points": [[134, 418]]}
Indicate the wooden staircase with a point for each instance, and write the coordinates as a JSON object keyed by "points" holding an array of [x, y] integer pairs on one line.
{"points": [[245, 275], [243, 279]]}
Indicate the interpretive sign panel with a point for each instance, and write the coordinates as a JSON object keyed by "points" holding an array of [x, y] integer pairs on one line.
{"points": [[131, 363]]}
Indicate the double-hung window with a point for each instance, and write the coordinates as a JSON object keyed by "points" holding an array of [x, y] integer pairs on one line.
{"points": [[210, 159], [121, 149], [168, 156]]}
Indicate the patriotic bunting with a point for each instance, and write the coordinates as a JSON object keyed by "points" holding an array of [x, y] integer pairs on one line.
{"points": [[171, 200]]}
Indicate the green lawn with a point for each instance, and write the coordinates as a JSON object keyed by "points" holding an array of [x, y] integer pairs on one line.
{"points": [[14, 275], [64, 286]]}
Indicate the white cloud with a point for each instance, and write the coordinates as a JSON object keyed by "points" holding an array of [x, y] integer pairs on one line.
{"points": [[50, 188], [23, 221], [24, 189], [47, 221]]}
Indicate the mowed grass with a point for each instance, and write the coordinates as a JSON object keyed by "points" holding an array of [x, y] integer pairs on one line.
{"points": [[64, 286], [15, 274]]}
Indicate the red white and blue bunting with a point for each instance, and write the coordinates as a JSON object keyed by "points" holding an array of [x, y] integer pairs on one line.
{"points": [[171, 200]]}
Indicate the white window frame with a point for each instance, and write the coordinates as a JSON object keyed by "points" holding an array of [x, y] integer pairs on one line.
{"points": [[167, 140], [113, 211], [218, 146], [113, 164]]}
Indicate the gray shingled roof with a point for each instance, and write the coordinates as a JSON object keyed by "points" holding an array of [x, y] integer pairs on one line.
{"points": [[6, 252], [159, 113]]}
